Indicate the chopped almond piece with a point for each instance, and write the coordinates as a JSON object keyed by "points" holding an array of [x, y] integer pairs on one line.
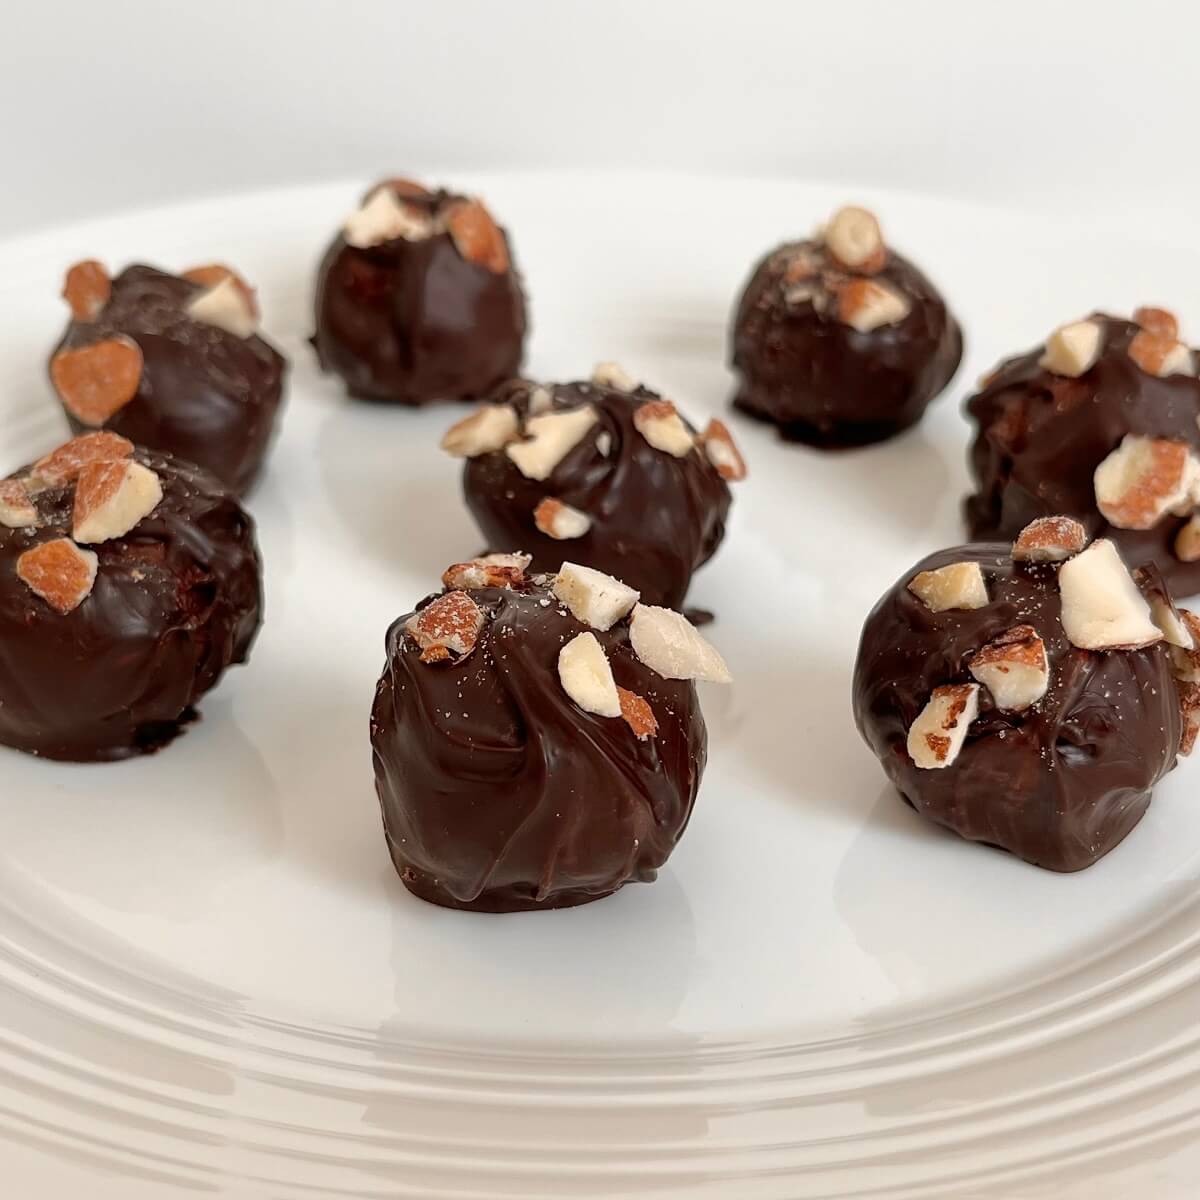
{"points": [[1102, 608], [1187, 541], [668, 643], [487, 429], [1189, 703], [560, 521], [17, 509], [1158, 321], [384, 218], [62, 466], [586, 676], [936, 737], [854, 239], [866, 305], [211, 274], [550, 437], [1159, 355], [405, 187], [660, 424], [722, 452], [224, 307], [60, 573], [1163, 610], [96, 381], [1014, 668], [594, 598], [1072, 350], [111, 498], [1185, 660], [1143, 480], [638, 714], [477, 237], [801, 265], [957, 585], [86, 289], [447, 628], [1049, 539], [613, 375], [489, 570]]}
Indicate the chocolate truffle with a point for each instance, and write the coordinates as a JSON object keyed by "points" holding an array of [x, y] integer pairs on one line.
{"points": [[605, 473], [1099, 423], [173, 363], [839, 340], [129, 581], [418, 300], [538, 741], [1022, 695]]}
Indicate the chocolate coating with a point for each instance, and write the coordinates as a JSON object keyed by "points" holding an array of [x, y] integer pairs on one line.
{"points": [[414, 322], [655, 518], [822, 381], [205, 394], [1060, 784], [1041, 437], [175, 602], [499, 793]]}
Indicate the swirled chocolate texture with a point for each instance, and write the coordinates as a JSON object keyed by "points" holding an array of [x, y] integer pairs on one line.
{"points": [[413, 320], [817, 377], [655, 518], [1059, 784], [1040, 437], [174, 603], [205, 394], [499, 793]]}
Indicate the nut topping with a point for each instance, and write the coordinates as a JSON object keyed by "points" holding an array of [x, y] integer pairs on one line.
{"points": [[957, 585], [541, 399], [937, 735], [1049, 540], [17, 510], [211, 274], [560, 521], [586, 676], [638, 714], [866, 305], [59, 572], [489, 570], [660, 424], [384, 218], [1014, 668], [1159, 355], [722, 452], [613, 375], [550, 437], [477, 237], [667, 642], [1163, 611], [111, 498], [1187, 541], [1185, 660], [1157, 321], [1143, 479], [447, 628], [96, 381], [1102, 608], [489, 428], [62, 466], [86, 289], [1189, 703], [225, 305], [405, 187], [594, 598], [800, 265], [854, 239], [1072, 350]]}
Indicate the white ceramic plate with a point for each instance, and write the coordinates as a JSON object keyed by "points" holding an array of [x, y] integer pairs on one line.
{"points": [[211, 981]]}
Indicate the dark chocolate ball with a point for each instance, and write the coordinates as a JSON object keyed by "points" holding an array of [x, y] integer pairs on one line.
{"points": [[418, 300], [172, 363], [129, 581], [841, 351], [988, 717], [633, 491], [500, 791], [1041, 434]]}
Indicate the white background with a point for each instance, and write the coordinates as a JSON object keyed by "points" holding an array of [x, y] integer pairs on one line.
{"points": [[1082, 105]]}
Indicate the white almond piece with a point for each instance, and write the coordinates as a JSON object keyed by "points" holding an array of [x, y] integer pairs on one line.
{"points": [[1014, 668], [1102, 608], [226, 306], [384, 218], [957, 585], [866, 305], [854, 239], [560, 521], [17, 510], [594, 598], [550, 437], [1187, 541], [1161, 355], [604, 443], [111, 498], [1072, 349], [488, 570], [1185, 660], [541, 399], [487, 429], [668, 643], [1049, 540], [1143, 480], [1170, 620], [586, 676], [660, 424], [613, 375], [937, 735]]}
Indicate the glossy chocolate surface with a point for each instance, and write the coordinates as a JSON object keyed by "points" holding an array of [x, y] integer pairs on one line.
{"points": [[1041, 437], [655, 518], [175, 602], [206, 395], [824, 382], [499, 793], [413, 322], [1060, 784]]}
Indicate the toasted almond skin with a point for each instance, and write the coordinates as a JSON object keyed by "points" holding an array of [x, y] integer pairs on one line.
{"points": [[450, 625], [560, 521], [1157, 320], [866, 305], [1153, 491], [723, 452], [477, 237], [637, 714], [59, 572], [1153, 352], [86, 289], [211, 274], [95, 382], [62, 466], [112, 498], [1189, 703], [1049, 539], [659, 422]]}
